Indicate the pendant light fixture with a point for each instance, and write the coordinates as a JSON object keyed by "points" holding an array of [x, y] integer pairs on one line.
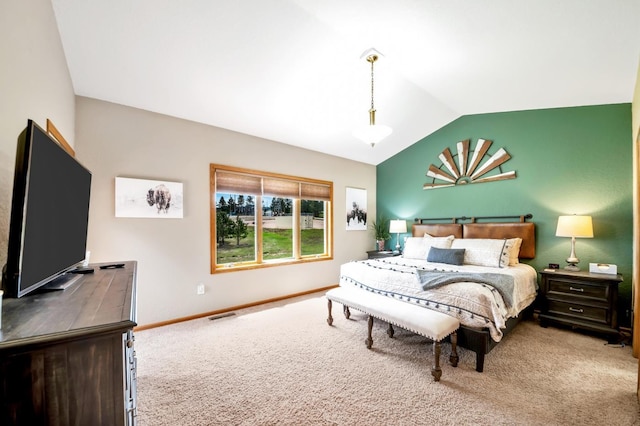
{"points": [[373, 133]]}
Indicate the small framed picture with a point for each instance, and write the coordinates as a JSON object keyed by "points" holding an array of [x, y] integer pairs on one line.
{"points": [[356, 203], [154, 199]]}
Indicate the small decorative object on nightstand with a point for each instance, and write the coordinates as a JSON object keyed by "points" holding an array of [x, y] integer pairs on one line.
{"points": [[381, 230], [375, 254], [581, 300]]}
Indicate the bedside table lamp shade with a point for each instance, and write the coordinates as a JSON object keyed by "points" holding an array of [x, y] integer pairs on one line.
{"points": [[398, 226], [575, 227]]}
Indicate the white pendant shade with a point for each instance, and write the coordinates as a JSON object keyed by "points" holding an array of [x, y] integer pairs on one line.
{"points": [[372, 133]]}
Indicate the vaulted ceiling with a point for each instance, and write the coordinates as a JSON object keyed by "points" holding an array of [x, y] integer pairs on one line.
{"points": [[290, 70]]}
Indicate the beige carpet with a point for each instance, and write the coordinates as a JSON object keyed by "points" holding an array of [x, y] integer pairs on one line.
{"points": [[283, 365]]}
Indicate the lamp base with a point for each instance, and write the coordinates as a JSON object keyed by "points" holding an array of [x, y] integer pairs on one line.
{"points": [[572, 267]]}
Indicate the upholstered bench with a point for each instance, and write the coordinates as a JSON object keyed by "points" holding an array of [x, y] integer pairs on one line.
{"points": [[423, 321]]}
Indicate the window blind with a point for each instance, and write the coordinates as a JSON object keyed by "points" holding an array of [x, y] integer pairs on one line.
{"points": [[280, 188], [312, 191], [238, 183], [251, 184]]}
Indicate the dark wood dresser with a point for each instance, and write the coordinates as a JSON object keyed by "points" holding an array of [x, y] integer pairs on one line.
{"points": [[580, 299], [67, 357]]}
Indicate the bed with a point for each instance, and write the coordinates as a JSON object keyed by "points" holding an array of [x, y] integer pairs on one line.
{"points": [[473, 273]]}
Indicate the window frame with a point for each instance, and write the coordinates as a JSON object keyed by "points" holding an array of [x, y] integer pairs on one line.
{"points": [[296, 228]]}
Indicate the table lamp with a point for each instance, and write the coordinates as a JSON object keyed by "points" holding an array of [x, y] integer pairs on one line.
{"points": [[575, 227], [397, 226]]}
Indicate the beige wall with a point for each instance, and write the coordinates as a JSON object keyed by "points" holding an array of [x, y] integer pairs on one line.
{"points": [[34, 83], [173, 254]]}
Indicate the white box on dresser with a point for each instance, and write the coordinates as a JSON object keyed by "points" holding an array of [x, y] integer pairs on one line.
{"points": [[603, 268]]}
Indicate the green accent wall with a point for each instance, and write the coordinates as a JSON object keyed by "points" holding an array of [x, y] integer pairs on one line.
{"points": [[568, 161]]}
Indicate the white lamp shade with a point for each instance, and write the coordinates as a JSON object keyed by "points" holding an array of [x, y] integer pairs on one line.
{"points": [[398, 226], [372, 133], [575, 226]]}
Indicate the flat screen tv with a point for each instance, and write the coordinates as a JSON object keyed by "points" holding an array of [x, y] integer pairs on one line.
{"points": [[49, 214]]}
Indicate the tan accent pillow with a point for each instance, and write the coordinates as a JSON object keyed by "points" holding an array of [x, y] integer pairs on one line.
{"points": [[514, 253], [418, 248]]}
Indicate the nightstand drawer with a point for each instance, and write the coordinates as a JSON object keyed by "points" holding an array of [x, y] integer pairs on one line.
{"points": [[580, 299], [575, 310], [578, 289]]}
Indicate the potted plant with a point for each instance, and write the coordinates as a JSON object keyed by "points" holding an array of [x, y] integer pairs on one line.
{"points": [[381, 231]]}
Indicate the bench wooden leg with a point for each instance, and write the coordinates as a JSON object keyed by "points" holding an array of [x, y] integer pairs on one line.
{"points": [[345, 310], [369, 340], [329, 318], [390, 330], [436, 371], [453, 358]]}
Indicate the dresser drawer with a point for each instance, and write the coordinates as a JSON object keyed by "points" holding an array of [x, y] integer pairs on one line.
{"points": [[579, 289], [578, 311]]}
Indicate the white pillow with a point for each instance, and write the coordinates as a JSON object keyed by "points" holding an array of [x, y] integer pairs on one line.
{"points": [[439, 242], [418, 248], [484, 251], [514, 254]]}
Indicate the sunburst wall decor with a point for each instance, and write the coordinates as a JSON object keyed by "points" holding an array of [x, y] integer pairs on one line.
{"points": [[469, 170]]}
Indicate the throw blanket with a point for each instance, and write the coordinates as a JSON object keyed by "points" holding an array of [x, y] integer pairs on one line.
{"points": [[501, 282]]}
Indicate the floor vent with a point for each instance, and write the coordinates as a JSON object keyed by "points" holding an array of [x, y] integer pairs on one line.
{"points": [[227, 314]]}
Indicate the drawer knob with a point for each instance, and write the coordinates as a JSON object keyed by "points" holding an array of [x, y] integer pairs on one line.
{"points": [[576, 310], [581, 290]]}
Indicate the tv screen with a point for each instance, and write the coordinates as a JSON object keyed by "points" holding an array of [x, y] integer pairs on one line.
{"points": [[49, 213]]}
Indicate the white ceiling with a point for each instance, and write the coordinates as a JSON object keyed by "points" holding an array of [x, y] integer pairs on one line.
{"points": [[290, 70]]}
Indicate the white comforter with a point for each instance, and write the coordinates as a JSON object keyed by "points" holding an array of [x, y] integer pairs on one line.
{"points": [[475, 305]]}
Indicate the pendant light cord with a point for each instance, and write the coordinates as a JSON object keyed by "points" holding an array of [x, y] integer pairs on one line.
{"points": [[372, 61]]}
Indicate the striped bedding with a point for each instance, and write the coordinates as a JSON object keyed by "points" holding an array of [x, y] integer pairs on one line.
{"points": [[474, 304]]}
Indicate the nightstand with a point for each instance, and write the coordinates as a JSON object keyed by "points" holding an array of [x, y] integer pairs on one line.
{"points": [[375, 254], [581, 300]]}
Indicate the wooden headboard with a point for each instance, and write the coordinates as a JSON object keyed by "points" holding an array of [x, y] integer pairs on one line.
{"points": [[437, 229], [499, 230]]}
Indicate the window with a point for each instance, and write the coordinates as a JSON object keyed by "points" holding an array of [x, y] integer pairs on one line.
{"points": [[264, 219]]}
